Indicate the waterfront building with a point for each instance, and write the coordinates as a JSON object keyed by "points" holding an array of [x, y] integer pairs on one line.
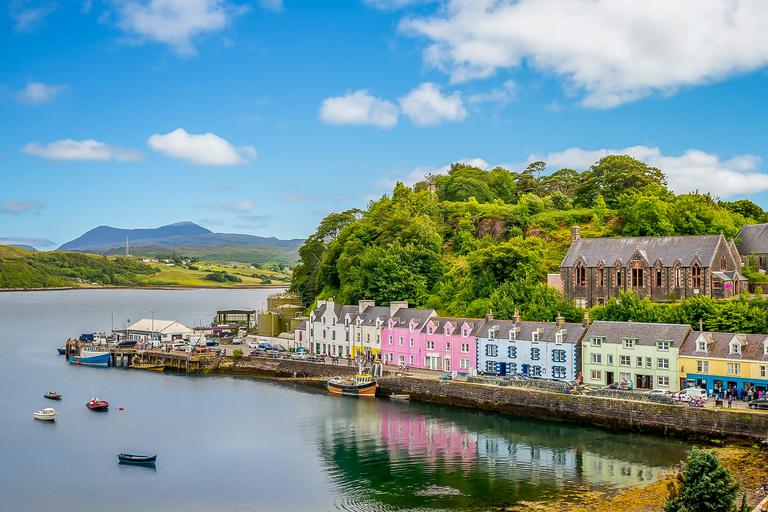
{"points": [[662, 267], [282, 315], [450, 344], [639, 353], [369, 322], [155, 331], [718, 361], [536, 349], [403, 338], [329, 329]]}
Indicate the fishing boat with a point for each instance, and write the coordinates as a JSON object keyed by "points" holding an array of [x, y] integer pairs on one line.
{"points": [[358, 385], [89, 356], [62, 351], [52, 395], [45, 415], [95, 404], [393, 396], [128, 458]]}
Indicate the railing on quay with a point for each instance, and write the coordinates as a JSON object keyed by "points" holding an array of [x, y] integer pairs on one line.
{"points": [[569, 389]]}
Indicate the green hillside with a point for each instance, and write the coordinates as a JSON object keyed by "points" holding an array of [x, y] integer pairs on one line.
{"points": [[474, 239], [227, 253], [24, 269]]}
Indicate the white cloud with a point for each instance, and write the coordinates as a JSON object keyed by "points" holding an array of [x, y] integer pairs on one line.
{"points": [[693, 170], [393, 5], [19, 206], [419, 173], [205, 149], [426, 106], [86, 150], [253, 221], [20, 240], [501, 95], [28, 14], [616, 52], [37, 92], [212, 222], [240, 206], [175, 22], [359, 108]]}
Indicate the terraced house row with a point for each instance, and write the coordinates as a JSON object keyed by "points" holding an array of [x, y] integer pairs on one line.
{"points": [[662, 356]]}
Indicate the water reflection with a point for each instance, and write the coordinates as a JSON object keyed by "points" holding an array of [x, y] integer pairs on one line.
{"points": [[390, 456]]}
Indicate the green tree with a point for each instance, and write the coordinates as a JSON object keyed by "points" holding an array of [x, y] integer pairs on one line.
{"points": [[703, 485], [614, 175], [645, 215], [237, 354]]}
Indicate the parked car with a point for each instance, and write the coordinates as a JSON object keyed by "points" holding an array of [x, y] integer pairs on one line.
{"points": [[253, 344], [265, 346], [445, 377], [257, 353], [686, 395], [657, 392], [278, 347], [759, 403], [236, 341], [625, 386]]}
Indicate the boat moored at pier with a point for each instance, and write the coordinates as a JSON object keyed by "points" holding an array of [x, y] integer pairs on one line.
{"points": [[90, 356], [359, 385]]}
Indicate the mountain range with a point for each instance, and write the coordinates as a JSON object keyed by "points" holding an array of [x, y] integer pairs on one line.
{"points": [[187, 237]]}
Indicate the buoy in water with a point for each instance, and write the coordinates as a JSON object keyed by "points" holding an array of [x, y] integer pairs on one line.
{"points": [[121, 408]]}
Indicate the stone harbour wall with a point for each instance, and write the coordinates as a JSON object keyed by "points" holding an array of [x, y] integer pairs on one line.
{"points": [[287, 368], [691, 422]]}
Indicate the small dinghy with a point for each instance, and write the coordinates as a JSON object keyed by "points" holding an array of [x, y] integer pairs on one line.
{"points": [[45, 415], [399, 397], [128, 458], [52, 395], [62, 351]]}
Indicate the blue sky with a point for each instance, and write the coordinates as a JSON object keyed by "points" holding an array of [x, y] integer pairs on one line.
{"points": [[261, 117]]}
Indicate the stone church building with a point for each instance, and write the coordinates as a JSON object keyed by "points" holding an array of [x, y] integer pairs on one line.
{"points": [[753, 241], [659, 267]]}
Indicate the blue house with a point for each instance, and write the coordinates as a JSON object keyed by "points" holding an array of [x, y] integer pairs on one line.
{"points": [[536, 349]]}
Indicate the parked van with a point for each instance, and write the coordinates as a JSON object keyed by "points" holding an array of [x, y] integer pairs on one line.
{"points": [[694, 393]]}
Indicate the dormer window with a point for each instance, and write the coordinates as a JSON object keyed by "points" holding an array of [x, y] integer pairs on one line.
{"points": [[512, 334], [701, 346], [628, 343], [560, 336], [535, 335], [410, 327], [765, 347], [735, 348], [464, 333], [429, 330]]}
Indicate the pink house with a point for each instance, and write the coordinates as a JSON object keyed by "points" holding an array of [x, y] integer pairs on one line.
{"points": [[401, 343], [450, 344]]}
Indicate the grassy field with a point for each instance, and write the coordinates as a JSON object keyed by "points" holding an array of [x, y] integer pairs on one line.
{"points": [[182, 276]]}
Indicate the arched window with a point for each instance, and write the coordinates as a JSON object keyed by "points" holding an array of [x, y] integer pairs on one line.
{"points": [[581, 275], [696, 275], [658, 277], [722, 263]]}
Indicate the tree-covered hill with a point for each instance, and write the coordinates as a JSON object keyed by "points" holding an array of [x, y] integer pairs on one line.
{"points": [[27, 269], [474, 239]]}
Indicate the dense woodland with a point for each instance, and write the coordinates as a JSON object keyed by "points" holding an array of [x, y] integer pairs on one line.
{"points": [[474, 240]]}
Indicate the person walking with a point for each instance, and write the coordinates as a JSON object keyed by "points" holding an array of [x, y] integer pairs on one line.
{"points": [[730, 400]]}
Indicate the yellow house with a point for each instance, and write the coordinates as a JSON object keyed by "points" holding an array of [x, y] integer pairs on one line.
{"points": [[717, 361]]}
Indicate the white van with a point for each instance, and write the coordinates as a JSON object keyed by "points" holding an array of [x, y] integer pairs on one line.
{"points": [[694, 393]]}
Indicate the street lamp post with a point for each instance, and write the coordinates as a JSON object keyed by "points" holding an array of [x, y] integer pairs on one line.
{"points": [[153, 328]]}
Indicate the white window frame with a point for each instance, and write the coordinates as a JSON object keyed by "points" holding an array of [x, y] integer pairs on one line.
{"points": [[702, 366], [596, 375], [597, 358], [464, 364], [596, 342], [662, 363], [663, 381], [628, 343], [430, 345], [465, 348], [662, 345], [625, 360]]}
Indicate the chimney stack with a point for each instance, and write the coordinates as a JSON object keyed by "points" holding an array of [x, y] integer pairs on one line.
{"points": [[575, 233], [396, 306], [516, 317], [701, 325], [489, 315], [559, 320], [586, 320], [363, 304]]}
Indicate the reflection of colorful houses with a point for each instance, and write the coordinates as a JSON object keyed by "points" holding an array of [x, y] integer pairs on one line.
{"points": [[537, 349], [427, 438], [718, 361]]}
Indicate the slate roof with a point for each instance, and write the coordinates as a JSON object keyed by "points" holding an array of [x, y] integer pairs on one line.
{"points": [[667, 249], [718, 346], [371, 313], [754, 239], [403, 317], [730, 275], [645, 334], [302, 326], [474, 323], [319, 311], [548, 330]]}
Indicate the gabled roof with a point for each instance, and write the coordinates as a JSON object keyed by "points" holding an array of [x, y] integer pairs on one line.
{"points": [[372, 313], [440, 323], [754, 239], [157, 325], [665, 248], [718, 346], [302, 325], [547, 332], [645, 334], [403, 317]]}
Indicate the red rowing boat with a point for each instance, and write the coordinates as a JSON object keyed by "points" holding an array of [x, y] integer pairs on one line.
{"points": [[97, 405]]}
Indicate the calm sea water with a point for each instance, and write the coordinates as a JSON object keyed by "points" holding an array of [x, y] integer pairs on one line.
{"points": [[241, 444]]}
